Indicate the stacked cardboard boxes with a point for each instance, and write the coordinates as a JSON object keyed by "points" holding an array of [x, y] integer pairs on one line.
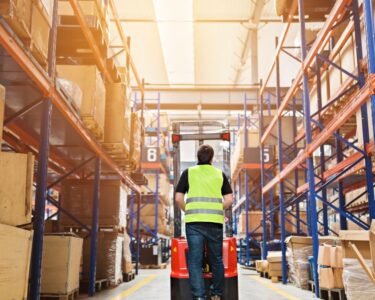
{"points": [[117, 131], [109, 257], [299, 249], [330, 267]]}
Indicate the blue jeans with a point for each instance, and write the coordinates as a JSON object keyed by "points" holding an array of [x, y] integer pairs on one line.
{"points": [[198, 235]]}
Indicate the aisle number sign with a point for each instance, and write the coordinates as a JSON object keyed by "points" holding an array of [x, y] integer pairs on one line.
{"points": [[252, 155], [151, 155]]}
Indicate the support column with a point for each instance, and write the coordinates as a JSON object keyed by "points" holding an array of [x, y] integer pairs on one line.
{"points": [[281, 183], [339, 158], [40, 202], [94, 228], [309, 161], [322, 154], [246, 187], [370, 37], [364, 115], [262, 179], [296, 171]]}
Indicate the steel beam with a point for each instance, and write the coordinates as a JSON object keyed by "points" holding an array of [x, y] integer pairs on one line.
{"points": [[309, 159], [280, 166], [94, 228], [40, 202]]}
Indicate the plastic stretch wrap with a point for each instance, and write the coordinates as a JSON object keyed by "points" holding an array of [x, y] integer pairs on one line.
{"points": [[127, 256], [299, 268], [72, 90], [356, 282], [109, 257]]}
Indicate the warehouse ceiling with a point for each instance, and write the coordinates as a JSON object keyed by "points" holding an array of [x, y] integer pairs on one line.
{"points": [[203, 51], [195, 42]]}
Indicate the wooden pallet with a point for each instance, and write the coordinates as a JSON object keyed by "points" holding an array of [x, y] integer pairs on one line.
{"points": [[128, 276], [328, 294], [71, 296], [102, 228], [264, 275], [275, 279], [100, 284], [161, 266]]}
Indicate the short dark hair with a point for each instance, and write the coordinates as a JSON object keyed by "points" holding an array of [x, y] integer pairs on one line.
{"points": [[205, 154]]}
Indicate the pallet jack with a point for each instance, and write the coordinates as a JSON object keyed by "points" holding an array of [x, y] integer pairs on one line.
{"points": [[180, 288]]}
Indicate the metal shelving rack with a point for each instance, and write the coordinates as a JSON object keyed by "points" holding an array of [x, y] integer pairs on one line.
{"points": [[157, 168], [358, 89], [246, 199], [40, 121]]}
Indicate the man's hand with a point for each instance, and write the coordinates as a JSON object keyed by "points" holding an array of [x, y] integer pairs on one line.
{"points": [[228, 201], [180, 200]]}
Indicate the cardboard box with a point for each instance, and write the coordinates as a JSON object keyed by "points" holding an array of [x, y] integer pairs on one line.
{"points": [[115, 111], [254, 220], [360, 238], [61, 264], [330, 278], [336, 257], [16, 188], [324, 258], [15, 254], [77, 197], [41, 24]]}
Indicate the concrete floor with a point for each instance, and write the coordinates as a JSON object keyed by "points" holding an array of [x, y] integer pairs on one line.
{"points": [[154, 284]]}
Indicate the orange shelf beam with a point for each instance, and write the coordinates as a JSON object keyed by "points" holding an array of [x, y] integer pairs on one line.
{"points": [[350, 108], [323, 37], [46, 86]]}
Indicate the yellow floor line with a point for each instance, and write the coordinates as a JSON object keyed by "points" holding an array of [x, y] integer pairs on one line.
{"points": [[134, 288], [274, 288]]}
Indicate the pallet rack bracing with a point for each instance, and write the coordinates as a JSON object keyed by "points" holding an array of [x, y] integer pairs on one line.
{"points": [[330, 127], [64, 147]]}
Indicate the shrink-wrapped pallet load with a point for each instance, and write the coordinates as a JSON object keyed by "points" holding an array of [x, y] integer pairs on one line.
{"points": [[18, 15], [15, 252], [77, 198], [299, 249], [16, 188], [109, 257], [92, 109], [61, 264]]}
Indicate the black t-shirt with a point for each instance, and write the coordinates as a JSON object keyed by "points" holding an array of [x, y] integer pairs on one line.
{"points": [[183, 184]]}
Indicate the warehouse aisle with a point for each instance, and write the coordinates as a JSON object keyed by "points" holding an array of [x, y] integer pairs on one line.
{"points": [[154, 284]]}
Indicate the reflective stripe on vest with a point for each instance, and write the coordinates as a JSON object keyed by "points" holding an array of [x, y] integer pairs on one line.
{"points": [[204, 200]]}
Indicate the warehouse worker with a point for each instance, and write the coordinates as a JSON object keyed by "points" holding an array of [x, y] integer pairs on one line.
{"points": [[208, 194]]}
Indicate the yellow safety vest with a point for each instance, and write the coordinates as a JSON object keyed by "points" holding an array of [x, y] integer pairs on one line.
{"points": [[204, 199]]}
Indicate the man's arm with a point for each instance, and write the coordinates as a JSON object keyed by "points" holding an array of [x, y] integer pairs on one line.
{"points": [[228, 201], [180, 200]]}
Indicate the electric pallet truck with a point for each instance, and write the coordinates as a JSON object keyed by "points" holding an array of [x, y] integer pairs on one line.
{"points": [[180, 288]]}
